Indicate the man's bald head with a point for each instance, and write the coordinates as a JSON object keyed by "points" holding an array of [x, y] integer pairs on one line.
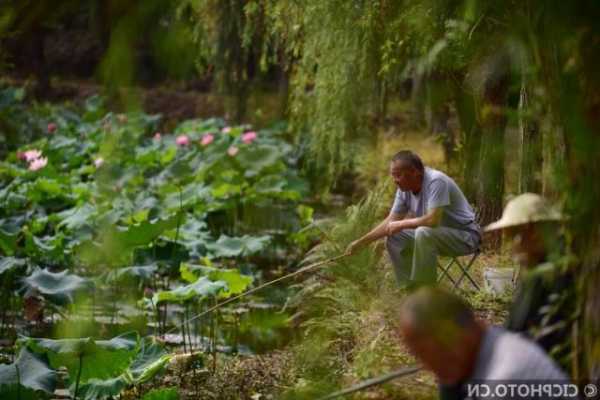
{"points": [[440, 329], [431, 311]]}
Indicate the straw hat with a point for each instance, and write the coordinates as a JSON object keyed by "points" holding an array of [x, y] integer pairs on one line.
{"points": [[523, 209]]}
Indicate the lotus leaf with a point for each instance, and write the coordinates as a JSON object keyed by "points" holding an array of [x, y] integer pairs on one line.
{"points": [[202, 288], [101, 359], [26, 377], [58, 287], [236, 282], [227, 246]]}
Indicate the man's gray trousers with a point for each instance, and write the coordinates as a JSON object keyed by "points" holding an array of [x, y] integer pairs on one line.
{"points": [[414, 252]]}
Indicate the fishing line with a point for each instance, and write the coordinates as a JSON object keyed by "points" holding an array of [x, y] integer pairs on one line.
{"points": [[246, 293]]}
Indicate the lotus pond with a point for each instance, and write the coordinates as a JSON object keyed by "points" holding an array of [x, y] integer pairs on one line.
{"points": [[113, 236]]}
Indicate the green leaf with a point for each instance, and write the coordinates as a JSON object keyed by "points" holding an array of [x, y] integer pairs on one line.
{"points": [[162, 394], [76, 218], [9, 232], [254, 159], [60, 287], [151, 359], [102, 359], [202, 288], [270, 184], [30, 372], [8, 263], [190, 195], [143, 233], [227, 246], [96, 389], [236, 281], [142, 273]]}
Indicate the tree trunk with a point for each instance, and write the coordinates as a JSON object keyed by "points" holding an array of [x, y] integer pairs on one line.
{"points": [[470, 139], [530, 178], [490, 185]]}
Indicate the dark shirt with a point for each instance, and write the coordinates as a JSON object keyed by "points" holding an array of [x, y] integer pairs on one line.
{"points": [[540, 307]]}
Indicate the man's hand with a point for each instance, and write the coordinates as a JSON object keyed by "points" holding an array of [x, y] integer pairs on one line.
{"points": [[353, 247], [393, 227]]}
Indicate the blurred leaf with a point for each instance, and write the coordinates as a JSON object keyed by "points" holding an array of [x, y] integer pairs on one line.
{"points": [[162, 394], [8, 263], [151, 359], [30, 372], [142, 273], [97, 389], [77, 217], [202, 288], [238, 246], [236, 282], [60, 288], [254, 159], [102, 359]]}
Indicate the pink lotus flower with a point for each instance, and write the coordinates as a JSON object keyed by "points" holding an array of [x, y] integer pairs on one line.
{"points": [[207, 139], [38, 163], [98, 162], [249, 137], [52, 127], [227, 129], [232, 151], [31, 155], [157, 136], [182, 140]]}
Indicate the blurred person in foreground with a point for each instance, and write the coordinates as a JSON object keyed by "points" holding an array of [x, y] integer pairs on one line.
{"points": [[442, 332], [430, 216], [542, 306]]}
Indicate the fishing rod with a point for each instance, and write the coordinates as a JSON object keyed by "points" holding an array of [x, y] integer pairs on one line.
{"points": [[246, 293], [374, 381]]}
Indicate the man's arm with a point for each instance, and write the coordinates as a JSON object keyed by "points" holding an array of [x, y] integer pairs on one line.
{"points": [[431, 219], [378, 232]]}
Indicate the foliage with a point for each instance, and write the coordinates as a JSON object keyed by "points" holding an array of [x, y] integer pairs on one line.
{"points": [[27, 377], [162, 394]]}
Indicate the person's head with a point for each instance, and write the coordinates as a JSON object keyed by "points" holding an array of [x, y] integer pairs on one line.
{"points": [[531, 224], [406, 169], [440, 329]]}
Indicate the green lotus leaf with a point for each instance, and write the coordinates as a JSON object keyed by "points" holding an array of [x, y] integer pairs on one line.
{"points": [[9, 263], [202, 288], [117, 243], [190, 195], [236, 281], [76, 218], [58, 287], [101, 359], [162, 394], [142, 273], [144, 232], [245, 245], [29, 377], [270, 184], [97, 389], [9, 231], [256, 158], [150, 360]]}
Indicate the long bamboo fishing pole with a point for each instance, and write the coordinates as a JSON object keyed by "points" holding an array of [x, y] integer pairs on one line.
{"points": [[246, 293], [374, 381]]}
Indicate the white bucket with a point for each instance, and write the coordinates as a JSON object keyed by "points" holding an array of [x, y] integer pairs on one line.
{"points": [[497, 280]]}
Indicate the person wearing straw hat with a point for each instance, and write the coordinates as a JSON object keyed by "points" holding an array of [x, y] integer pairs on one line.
{"points": [[430, 217], [539, 307]]}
